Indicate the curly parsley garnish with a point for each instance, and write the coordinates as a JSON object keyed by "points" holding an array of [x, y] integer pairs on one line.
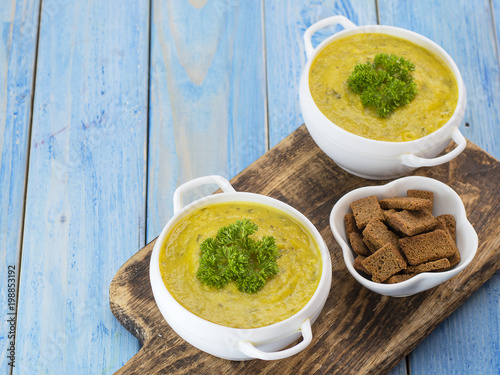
{"points": [[385, 84], [233, 255]]}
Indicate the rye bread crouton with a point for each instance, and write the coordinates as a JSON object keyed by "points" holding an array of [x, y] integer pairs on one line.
{"points": [[450, 223], [370, 246], [412, 222], [366, 209], [427, 247], [447, 223], [358, 245], [435, 265], [378, 235], [350, 225], [455, 258], [399, 278], [388, 213], [421, 194], [405, 203], [358, 264], [384, 263]]}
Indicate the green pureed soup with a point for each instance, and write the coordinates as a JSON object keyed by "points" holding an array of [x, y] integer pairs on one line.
{"points": [[430, 109], [282, 296]]}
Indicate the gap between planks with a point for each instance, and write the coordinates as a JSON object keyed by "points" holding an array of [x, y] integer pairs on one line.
{"points": [[143, 238], [27, 165]]}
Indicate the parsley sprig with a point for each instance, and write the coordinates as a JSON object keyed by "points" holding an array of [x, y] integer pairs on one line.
{"points": [[385, 84], [233, 255]]}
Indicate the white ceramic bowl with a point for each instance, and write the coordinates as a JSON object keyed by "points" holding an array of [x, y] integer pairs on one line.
{"points": [[446, 201], [232, 343], [366, 157]]}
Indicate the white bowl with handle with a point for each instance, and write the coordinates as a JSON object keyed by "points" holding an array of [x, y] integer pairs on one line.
{"points": [[370, 158], [234, 343]]}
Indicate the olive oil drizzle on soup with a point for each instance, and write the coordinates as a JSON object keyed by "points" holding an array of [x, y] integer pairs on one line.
{"points": [[282, 296], [431, 108]]}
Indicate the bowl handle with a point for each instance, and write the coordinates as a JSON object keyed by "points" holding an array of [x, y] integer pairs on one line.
{"points": [[412, 160], [250, 350], [214, 179], [334, 20]]}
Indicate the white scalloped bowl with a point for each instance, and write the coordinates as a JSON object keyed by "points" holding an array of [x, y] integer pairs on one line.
{"points": [[446, 201]]}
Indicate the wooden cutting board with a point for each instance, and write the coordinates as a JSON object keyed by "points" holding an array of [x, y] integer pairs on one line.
{"points": [[358, 331]]}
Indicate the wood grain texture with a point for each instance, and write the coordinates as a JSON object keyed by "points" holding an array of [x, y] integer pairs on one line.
{"points": [[286, 22], [358, 331], [85, 208], [207, 103], [468, 341], [18, 39]]}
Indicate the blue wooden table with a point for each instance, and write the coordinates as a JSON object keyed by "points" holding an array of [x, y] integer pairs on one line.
{"points": [[107, 106]]}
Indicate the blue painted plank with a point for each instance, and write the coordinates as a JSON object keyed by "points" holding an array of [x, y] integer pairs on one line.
{"points": [[286, 22], [85, 208], [467, 342], [18, 38], [207, 102]]}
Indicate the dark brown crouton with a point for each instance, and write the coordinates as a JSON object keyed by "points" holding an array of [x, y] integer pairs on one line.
{"points": [[384, 263], [405, 203], [422, 194], [412, 222], [387, 213], [450, 224], [370, 246], [427, 247], [358, 245], [455, 258], [366, 209], [435, 265], [399, 278], [378, 235], [350, 225], [358, 265]]}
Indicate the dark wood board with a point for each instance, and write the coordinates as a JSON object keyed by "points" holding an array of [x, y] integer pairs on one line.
{"points": [[358, 331]]}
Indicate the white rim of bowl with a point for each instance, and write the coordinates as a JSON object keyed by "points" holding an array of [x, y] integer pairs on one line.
{"points": [[291, 211]]}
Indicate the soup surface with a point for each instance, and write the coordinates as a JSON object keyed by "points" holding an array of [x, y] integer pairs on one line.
{"points": [[281, 297], [431, 108]]}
